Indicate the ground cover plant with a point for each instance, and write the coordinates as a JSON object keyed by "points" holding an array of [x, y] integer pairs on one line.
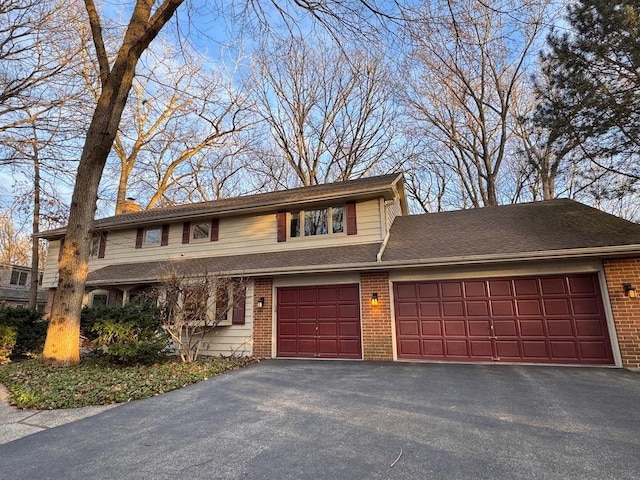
{"points": [[33, 384]]}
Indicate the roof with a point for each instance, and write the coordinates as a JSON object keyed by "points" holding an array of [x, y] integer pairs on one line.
{"points": [[550, 229], [552, 225], [329, 258], [12, 294], [363, 188]]}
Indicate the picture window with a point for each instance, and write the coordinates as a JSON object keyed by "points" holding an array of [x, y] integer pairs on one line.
{"points": [[320, 221]]}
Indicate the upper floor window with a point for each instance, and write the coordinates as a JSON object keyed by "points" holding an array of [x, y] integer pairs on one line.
{"points": [[200, 231], [152, 236], [95, 247], [18, 277], [321, 221]]}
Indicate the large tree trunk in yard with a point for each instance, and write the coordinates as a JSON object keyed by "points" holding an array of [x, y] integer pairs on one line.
{"points": [[62, 346]]}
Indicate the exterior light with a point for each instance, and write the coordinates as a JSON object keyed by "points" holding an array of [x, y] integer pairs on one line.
{"points": [[629, 290], [261, 302], [374, 299]]}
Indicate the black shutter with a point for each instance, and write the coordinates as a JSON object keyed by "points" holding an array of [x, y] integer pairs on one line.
{"points": [[139, 236]]}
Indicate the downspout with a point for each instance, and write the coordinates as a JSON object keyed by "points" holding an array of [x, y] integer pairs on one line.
{"points": [[383, 246]]}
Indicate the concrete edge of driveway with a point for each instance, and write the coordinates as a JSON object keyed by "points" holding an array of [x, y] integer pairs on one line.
{"points": [[16, 423]]}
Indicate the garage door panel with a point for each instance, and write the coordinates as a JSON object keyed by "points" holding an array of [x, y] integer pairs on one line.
{"points": [[475, 289], [499, 288], [506, 327], [503, 308], [407, 290], [409, 327], [553, 286], [585, 306], [322, 321], [430, 328], [477, 327], [530, 307], [453, 309], [556, 306], [407, 309], [582, 284], [455, 328], [429, 309], [553, 319], [478, 308], [589, 327], [560, 327], [427, 290], [526, 286]]}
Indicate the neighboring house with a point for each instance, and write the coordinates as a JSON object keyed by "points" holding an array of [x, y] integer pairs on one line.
{"points": [[15, 282], [342, 271]]}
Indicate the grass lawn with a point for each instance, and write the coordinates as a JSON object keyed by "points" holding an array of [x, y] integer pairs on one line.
{"points": [[35, 385]]}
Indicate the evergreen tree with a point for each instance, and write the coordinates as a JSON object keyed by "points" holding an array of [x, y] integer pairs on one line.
{"points": [[590, 97]]}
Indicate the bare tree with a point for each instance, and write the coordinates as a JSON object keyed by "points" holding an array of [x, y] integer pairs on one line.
{"points": [[328, 110], [192, 306], [116, 77], [463, 83]]}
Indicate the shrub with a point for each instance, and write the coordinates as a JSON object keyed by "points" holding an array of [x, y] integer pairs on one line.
{"points": [[30, 327], [8, 336], [125, 335]]}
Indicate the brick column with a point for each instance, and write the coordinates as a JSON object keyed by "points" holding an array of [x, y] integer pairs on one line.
{"points": [[377, 341], [262, 317], [626, 310]]}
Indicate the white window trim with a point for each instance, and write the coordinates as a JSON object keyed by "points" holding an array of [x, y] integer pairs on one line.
{"points": [[95, 293], [203, 239], [146, 244], [330, 232]]}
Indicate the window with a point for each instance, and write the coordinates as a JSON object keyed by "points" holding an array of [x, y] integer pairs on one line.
{"points": [[152, 236], [99, 299], [95, 247], [200, 231], [18, 277], [321, 221]]}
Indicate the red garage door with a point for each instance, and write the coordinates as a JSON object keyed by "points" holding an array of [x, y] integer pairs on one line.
{"points": [[555, 319], [319, 322]]}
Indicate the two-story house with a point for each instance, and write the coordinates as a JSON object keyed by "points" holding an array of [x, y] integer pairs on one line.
{"points": [[343, 271], [15, 283]]}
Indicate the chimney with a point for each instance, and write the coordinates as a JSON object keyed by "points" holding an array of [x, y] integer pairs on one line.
{"points": [[128, 206]]}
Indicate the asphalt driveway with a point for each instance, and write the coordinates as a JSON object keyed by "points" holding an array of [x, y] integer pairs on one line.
{"points": [[354, 420]]}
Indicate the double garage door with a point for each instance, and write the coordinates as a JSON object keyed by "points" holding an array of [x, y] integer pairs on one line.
{"points": [[555, 319]]}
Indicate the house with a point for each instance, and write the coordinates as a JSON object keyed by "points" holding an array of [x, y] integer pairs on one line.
{"points": [[15, 282], [343, 271]]}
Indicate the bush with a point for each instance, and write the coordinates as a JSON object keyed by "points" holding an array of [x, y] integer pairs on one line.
{"points": [[8, 336], [30, 327], [125, 335]]}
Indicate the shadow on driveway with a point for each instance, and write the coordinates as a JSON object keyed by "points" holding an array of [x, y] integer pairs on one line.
{"points": [[352, 420]]}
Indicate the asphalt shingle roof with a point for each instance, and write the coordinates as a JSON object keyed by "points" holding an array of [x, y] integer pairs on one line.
{"points": [[260, 262], [509, 229], [271, 201]]}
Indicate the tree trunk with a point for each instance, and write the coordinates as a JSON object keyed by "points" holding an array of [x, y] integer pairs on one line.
{"points": [[62, 346], [35, 251]]}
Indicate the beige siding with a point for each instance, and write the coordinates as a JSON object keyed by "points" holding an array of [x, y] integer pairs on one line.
{"points": [[237, 236], [234, 339], [393, 209]]}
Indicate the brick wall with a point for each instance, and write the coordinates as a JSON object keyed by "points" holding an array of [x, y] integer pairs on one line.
{"points": [[626, 311], [377, 341], [262, 320]]}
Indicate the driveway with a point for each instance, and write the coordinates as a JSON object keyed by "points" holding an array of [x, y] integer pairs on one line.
{"points": [[354, 420]]}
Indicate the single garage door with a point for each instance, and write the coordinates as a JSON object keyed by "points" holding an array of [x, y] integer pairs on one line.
{"points": [[555, 319], [319, 322]]}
